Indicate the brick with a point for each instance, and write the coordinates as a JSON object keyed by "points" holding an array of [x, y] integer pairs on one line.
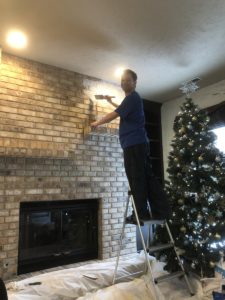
{"points": [[3, 255], [9, 247], [12, 219], [4, 213]]}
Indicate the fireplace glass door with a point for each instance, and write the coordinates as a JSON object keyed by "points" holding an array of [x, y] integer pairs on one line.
{"points": [[57, 232]]}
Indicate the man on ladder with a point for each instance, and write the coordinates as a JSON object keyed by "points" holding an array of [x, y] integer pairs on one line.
{"points": [[134, 142], [144, 186]]}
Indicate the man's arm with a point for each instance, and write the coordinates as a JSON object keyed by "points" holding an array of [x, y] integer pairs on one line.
{"points": [[106, 119], [109, 99]]}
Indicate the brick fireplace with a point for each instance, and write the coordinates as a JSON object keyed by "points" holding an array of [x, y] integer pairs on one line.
{"points": [[45, 155]]}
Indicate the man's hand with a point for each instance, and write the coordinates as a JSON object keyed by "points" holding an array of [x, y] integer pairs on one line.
{"points": [[94, 125], [106, 119], [109, 98]]}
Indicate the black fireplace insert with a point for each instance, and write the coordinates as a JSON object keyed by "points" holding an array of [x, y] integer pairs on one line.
{"points": [[54, 233]]}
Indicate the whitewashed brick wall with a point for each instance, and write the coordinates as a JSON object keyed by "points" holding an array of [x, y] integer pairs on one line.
{"points": [[45, 156]]}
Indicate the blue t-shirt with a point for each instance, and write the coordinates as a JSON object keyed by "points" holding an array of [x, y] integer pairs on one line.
{"points": [[132, 121]]}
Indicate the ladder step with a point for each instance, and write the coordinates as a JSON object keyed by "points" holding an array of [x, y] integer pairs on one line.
{"points": [[152, 221], [160, 247], [169, 276]]}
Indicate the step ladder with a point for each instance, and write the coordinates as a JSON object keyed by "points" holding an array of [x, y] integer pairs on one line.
{"points": [[150, 249]]}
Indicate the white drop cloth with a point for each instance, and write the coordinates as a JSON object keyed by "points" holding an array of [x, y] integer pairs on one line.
{"points": [[93, 282], [72, 283]]}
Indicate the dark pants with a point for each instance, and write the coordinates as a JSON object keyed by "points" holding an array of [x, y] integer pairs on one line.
{"points": [[143, 184]]}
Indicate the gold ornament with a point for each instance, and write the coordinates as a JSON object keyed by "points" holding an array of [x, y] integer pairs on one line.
{"points": [[183, 229], [199, 217], [180, 201], [212, 264], [217, 236], [200, 158], [182, 130]]}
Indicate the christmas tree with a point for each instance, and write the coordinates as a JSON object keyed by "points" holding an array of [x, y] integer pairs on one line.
{"points": [[196, 188]]}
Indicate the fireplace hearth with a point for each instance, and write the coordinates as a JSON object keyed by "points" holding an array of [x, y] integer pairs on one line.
{"points": [[54, 233]]}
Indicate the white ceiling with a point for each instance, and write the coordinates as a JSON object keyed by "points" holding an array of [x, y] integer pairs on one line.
{"points": [[165, 41]]}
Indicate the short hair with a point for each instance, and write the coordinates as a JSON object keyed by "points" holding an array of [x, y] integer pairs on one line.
{"points": [[132, 73]]}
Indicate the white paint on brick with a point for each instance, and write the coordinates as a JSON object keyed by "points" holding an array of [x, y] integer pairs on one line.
{"points": [[47, 156]]}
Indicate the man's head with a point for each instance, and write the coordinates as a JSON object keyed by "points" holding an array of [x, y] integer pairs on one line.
{"points": [[128, 81]]}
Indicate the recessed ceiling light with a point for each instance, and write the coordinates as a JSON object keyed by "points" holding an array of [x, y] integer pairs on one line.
{"points": [[16, 39], [119, 71]]}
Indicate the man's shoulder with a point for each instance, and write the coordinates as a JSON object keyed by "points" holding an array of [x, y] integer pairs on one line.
{"points": [[134, 95]]}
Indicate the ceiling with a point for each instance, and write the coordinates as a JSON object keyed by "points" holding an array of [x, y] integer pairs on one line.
{"points": [[166, 42]]}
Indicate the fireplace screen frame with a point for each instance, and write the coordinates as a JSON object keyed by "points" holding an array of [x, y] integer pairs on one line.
{"points": [[55, 233]]}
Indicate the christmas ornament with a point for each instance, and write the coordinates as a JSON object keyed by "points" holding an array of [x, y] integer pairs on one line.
{"points": [[218, 159], [183, 229], [190, 144], [217, 236], [219, 214], [182, 130], [180, 120], [212, 264], [193, 265], [199, 217], [180, 201]]}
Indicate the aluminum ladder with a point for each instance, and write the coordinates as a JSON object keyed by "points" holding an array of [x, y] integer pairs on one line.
{"points": [[148, 249]]}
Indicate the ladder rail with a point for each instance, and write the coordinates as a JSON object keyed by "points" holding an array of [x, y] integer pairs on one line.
{"points": [[179, 259], [121, 241], [143, 244], [147, 249]]}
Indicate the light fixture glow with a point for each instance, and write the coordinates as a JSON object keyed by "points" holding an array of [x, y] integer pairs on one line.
{"points": [[119, 72], [16, 39]]}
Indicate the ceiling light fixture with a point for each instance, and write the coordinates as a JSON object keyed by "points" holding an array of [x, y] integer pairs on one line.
{"points": [[16, 39], [119, 71]]}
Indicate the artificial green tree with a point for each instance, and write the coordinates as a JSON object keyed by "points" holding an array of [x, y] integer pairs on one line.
{"points": [[196, 189]]}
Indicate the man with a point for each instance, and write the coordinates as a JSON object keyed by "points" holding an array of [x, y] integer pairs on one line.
{"points": [[134, 142]]}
